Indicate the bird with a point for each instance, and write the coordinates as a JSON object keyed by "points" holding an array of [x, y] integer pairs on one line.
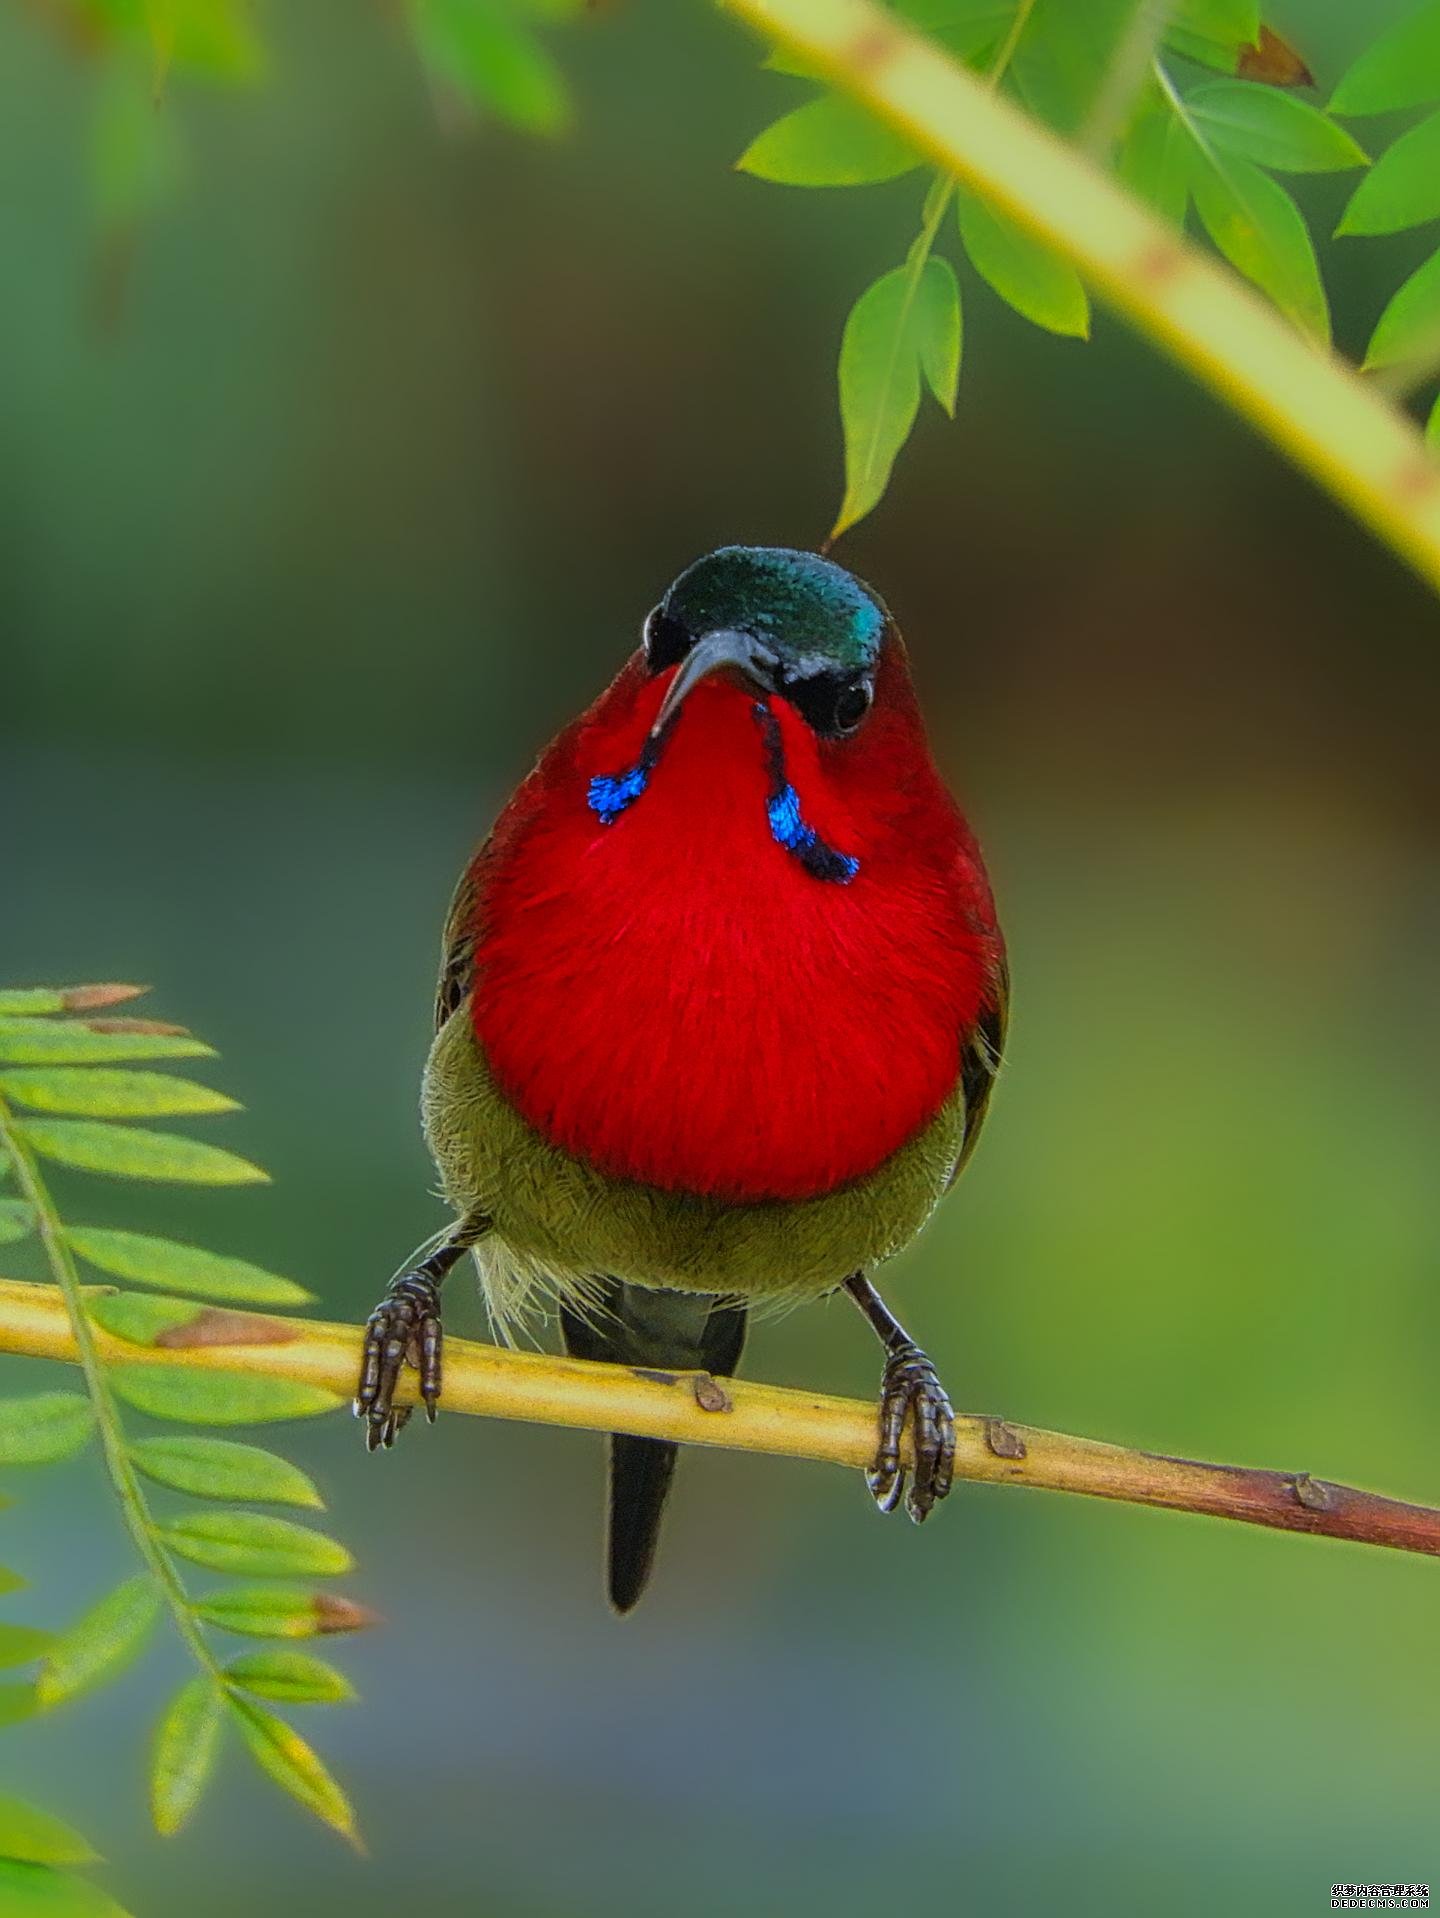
{"points": [[722, 1001]]}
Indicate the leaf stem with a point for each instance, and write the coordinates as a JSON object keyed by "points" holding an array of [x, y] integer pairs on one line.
{"points": [[134, 1507], [1306, 402]]}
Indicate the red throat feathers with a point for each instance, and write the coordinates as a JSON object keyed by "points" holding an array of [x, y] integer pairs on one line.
{"points": [[675, 999]]}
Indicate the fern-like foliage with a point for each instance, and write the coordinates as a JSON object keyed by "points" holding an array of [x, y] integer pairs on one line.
{"points": [[1194, 104], [73, 1077]]}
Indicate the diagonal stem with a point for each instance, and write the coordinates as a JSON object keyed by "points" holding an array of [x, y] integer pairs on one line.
{"points": [[134, 1507]]}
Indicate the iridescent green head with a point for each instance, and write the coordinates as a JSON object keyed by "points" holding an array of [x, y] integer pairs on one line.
{"points": [[797, 624]]}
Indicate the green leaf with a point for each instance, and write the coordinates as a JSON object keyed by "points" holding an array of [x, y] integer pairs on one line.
{"points": [[125, 1152], [1258, 228], [284, 1754], [1154, 162], [217, 1398], [938, 333], [100, 1645], [1027, 275], [282, 1611], [1274, 129], [182, 1758], [492, 60], [109, 1094], [1432, 425], [1065, 55], [30, 1001], [80, 1042], [22, 1645], [880, 359], [141, 1320], [1400, 69], [39, 1891], [1402, 188], [828, 142], [1409, 328], [10, 1581], [39, 1838], [43, 1427], [295, 1678], [183, 1268], [221, 1468], [17, 1221], [256, 1545], [1234, 21]]}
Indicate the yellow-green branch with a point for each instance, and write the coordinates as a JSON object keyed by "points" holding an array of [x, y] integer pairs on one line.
{"points": [[1312, 406], [698, 1410]]}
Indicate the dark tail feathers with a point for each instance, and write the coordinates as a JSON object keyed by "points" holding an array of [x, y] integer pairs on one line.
{"points": [[682, 1331]]}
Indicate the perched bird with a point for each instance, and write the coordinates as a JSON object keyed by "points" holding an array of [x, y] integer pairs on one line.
{"points": [[721, 1003]]}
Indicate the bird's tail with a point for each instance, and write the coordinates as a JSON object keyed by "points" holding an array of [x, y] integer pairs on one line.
{"points": [[681, 1331]]}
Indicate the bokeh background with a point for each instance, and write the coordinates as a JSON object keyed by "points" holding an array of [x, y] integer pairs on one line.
{"points": [[305, 548]]}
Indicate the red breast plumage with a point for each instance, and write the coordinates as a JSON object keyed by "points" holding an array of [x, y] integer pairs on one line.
{"points": [[721, 1005]]}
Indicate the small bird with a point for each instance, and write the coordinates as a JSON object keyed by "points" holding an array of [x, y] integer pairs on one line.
{"points": [[722, 1000]]}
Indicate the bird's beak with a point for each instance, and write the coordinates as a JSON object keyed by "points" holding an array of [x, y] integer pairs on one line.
{"points": [[710, 653]]}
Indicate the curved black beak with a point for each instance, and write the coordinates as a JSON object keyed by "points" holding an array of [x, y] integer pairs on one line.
{"points": [[709, 654]]}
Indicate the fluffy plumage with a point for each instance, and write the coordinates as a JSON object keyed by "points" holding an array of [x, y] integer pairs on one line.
{"points": [[722, 996], [675, 1000]]}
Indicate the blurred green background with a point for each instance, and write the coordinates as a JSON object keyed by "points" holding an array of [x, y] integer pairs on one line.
{"points": [[366, 489]]}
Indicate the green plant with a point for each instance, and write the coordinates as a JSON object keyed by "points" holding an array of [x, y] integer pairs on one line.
{"points": [[1073, 139], [69, 1090], [195, 1350]]}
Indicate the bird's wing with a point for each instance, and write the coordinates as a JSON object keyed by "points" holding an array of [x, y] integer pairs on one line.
{"points": [[457, 950], [980, 1059]]}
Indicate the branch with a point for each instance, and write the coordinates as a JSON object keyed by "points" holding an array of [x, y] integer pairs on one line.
{"points": [[695, 1409], [1340, 430]]}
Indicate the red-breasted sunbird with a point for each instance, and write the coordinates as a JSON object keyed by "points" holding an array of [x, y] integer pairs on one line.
{"points": [[722, 999]]}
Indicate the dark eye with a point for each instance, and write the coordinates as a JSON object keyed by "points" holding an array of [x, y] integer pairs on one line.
{"points": [[852, 702], [831, 707], [666, 641]]}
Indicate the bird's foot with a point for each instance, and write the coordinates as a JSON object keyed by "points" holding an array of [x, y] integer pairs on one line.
{"points": [[404, 1326], [910, 1388]]}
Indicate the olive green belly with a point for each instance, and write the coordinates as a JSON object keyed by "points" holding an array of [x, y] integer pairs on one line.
{"points": [[562, 1214]]}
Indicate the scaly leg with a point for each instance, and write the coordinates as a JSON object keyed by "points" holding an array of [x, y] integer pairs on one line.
{"points": [[406, 1325], [909, 1387]]}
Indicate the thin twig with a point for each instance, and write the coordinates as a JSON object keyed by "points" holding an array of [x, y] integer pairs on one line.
{"points": [[1307, 402], [696, 1410]]}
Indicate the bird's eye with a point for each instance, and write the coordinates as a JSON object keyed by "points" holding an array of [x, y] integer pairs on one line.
{"points": [[666, 641], [831, 707], [852, 702]]}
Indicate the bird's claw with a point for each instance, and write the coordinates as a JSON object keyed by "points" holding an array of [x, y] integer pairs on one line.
{"points": [[911, 1388], [404, 1326]]}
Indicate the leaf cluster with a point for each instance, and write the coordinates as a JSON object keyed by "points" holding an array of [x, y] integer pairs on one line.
{"points": [[1193, 103], [482, 58], [72, 1078]]}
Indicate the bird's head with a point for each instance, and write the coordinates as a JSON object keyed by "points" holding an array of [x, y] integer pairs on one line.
{"points": [[796, 625], [789, 655]]}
